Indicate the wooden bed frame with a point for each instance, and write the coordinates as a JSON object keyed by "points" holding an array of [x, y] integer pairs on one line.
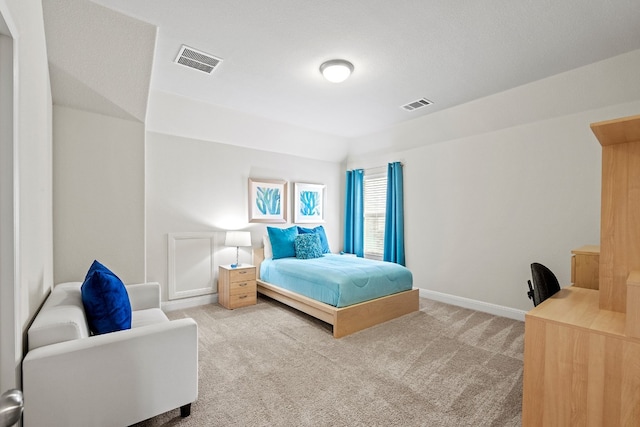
{"points": [[345, 320]]}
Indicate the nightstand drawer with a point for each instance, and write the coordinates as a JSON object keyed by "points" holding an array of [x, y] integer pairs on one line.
{"points": [[241, 300], [242, 274], [246, 286]]}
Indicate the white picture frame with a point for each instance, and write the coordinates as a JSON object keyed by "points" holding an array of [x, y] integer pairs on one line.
{"points": [[309, 203], [267, 201]]}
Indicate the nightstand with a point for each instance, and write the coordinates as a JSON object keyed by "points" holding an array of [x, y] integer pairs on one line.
{"points": [[237, 286]]}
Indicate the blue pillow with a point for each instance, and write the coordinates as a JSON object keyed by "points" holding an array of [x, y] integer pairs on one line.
{"points": [[283, 241], [308, 246], [319, 230], [106, 301]]}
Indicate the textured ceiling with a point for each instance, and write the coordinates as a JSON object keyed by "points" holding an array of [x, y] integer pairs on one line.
{"points": [[450, 52], [99, 59]]}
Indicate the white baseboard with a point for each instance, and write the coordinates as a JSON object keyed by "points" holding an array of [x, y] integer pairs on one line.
{"points": [[183, 303], [472, 304], [484, 307]]}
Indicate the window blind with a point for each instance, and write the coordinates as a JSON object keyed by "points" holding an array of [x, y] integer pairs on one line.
{"points": [[375, 199]]}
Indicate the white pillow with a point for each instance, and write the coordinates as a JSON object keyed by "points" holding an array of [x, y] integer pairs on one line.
{"points": [[268, 252]]}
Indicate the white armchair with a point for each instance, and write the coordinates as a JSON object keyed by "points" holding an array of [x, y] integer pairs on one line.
{"points": [[117, 379]]}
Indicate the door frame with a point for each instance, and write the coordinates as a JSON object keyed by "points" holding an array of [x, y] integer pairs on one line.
{"points": [[10, 333]]}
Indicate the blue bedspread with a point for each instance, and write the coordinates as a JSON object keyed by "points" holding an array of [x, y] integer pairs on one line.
{"points": [[337, 280]]}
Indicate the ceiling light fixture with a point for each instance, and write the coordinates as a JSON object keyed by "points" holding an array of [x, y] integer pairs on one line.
{"points": [[336, 70]]}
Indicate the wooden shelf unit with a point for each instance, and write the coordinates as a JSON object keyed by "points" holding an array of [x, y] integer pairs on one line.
{"points": [[582, 346], [620, 215]]}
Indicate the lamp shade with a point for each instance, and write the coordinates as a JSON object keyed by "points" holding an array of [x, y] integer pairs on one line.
{"points": [[237, 238]]}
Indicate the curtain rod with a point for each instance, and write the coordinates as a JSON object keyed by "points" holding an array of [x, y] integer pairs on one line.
{"points": [[379, 168]]}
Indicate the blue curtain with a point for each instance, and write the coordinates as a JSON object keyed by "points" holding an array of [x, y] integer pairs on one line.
{"points": [[354, 213], [394, 220]]}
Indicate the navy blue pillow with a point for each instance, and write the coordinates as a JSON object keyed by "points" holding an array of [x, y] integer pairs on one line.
{"points": [[319, 230], [106, 301], [283, 241]]}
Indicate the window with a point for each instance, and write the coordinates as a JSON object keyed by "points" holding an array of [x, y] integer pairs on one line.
{"points": [[375, 200]]}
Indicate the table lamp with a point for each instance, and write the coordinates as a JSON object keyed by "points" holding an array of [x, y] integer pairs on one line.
{"points": [[237, 239]]}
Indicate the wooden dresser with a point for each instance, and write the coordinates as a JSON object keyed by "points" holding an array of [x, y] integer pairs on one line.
{"points": [[582, 345]]}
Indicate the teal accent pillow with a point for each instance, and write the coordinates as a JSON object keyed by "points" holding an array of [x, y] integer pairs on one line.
{"points": [[308, 246], [106, 301], [283, 241], [319, 230]]}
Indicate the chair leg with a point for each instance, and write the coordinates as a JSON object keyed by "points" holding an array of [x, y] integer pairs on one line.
{"points": [[185, 410]]}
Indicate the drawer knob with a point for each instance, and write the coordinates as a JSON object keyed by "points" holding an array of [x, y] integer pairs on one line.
{"points": [[242, 284], [242, 296], [242, 272]]}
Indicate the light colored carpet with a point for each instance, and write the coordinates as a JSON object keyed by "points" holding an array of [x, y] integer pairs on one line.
{"points": [[270, 365]]}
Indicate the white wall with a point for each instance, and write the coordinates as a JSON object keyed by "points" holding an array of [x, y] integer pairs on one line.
{"points": [[32, 165], [98, 195], [202, 186], [174, 115], [483, 201], [480, 210]]}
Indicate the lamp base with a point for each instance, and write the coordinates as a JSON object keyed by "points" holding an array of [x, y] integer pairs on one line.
{"points": [[237, 264]]}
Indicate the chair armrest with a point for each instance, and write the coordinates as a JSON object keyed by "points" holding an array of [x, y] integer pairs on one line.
{"points": [[118, 378], [144, 295]]}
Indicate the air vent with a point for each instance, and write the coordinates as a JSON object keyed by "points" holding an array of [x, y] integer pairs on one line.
{"points": [[422, 102], [195, 59]]}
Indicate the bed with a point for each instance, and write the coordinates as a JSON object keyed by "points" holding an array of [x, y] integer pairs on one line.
{"points": [[345, 317]]}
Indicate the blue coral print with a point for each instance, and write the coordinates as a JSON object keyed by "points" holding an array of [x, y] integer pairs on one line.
{"points": [[268, 200], [309, 203]]}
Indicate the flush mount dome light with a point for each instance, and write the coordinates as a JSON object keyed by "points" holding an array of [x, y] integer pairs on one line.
{"points": [[336, 70]]}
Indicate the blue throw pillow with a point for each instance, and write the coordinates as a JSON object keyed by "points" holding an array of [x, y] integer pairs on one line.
{"points": [[283, 241], [308, 246], [319, 230], [106, 301]]}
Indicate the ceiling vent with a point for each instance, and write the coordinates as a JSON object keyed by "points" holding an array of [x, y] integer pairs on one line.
{"points": [[195, 59], [422, 102]]}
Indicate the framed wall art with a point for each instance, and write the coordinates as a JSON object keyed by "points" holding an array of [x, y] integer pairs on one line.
{"points": [[267, 200], [308, 206]]}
